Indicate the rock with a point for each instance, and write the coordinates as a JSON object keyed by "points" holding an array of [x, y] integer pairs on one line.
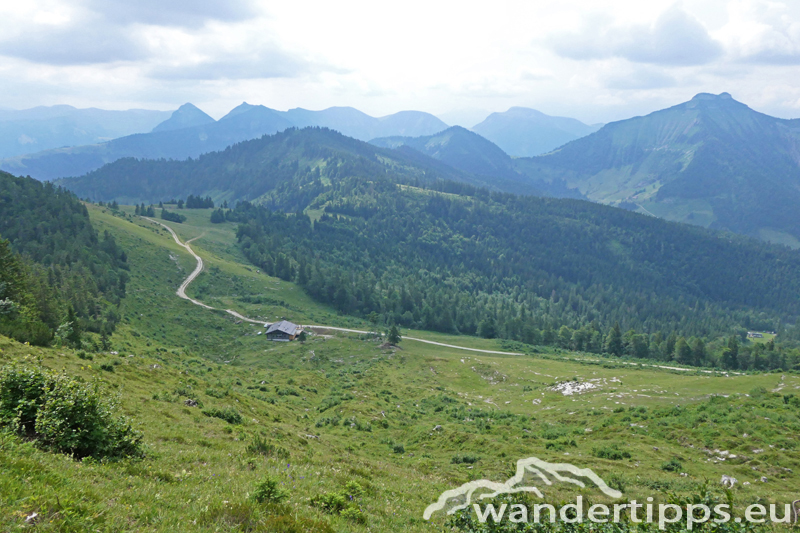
{"points": [[190, 403], [684, 474], [728, 481], [437, 428], [763, 479]]}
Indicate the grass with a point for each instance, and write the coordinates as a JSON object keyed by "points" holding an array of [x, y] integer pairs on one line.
{"points": [[340, 409]]}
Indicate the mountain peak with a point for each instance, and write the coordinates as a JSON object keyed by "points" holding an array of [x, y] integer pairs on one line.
{"points": [[710, 96], [186, 116]]}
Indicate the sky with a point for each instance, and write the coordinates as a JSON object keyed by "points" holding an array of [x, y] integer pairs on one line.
{"points": [[461, 60]]}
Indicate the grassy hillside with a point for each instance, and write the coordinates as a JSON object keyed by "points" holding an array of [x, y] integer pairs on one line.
{"points": [[343, 408]]}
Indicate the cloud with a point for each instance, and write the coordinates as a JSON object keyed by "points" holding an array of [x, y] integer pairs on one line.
{"points": [[269, 63], [638, 79], [674, 39], [79, 44], [766, 34], [185, 13]]}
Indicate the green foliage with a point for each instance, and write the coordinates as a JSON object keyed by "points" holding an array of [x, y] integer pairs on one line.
{"points": [[228, 414], [260, 446], [393, 337], [172, 217], [54, 260], [555, 272], [611, 452], [464, 459], [342, 503], [673, 465], [268, 490], [64, 414], [399, 448]]}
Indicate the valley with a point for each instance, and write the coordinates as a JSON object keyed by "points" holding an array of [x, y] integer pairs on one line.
{"points": [[343, 407]]}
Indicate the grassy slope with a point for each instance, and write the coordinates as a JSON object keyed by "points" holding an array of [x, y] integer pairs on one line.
{"points": [[196, 464]]}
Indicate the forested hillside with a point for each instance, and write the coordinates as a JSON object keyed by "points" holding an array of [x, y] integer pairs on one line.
{"points": [[297, 163], [523, 267], [467, 151], [54, 268]]}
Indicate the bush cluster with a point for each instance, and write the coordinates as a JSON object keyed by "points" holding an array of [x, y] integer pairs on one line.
{"points": [[65, 415]]}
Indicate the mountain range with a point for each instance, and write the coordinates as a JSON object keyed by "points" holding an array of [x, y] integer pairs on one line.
{"points": [[711, 161], [43, 128], [469, 152], [292, 163], [190, 132]]}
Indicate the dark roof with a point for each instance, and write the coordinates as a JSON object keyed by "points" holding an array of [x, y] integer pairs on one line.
{"points": [[284, 326]]}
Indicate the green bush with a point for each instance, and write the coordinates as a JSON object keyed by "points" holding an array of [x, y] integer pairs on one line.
{"points": [[673, 465], [268, 490], [65, 415], [228, 414], [611, 452], [260, 446], [107, 367], [465, 459], [354, 515], [330, 502], [399, 448]]}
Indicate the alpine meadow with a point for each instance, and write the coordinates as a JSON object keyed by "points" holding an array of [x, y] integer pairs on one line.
{"points": [[509, 269]]}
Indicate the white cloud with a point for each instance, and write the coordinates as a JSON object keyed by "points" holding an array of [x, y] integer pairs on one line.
{"points": [[675, 38], [595, 61]]}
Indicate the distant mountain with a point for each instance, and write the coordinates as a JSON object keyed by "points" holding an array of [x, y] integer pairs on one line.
{"points": [[711, 161], [42, 128], [459, 148], [190, 132], [361, 126], [523, 132], [186, 116], [242, 123], [467, 151], [280, 170]]}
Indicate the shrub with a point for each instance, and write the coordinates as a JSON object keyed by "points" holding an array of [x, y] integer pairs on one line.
{"points": [[399, 448], [353, 489], [228, 414], [268, 490], [65, 415], [215, 393], [354, 515], [465, 459], [107, 367], [330, 502], [612, 452], [673, 465], [260, 446]]}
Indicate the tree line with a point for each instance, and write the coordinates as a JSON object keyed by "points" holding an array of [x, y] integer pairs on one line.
{"points": [[58, 277], [539, 271]]}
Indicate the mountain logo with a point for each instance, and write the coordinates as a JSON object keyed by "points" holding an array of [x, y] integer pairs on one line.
{"points": [[529, 471]]}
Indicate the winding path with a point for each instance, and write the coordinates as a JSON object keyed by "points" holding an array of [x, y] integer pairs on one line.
{"points": [[181, 292]]}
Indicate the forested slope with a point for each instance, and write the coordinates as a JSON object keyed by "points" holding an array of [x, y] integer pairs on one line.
{"points": [[292, 162], [51, 261], [523, 267]]}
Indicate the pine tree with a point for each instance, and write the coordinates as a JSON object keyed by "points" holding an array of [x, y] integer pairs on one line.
{"points": [[394, 336], [614, 340]]}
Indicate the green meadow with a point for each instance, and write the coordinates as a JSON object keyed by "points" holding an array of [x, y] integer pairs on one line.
{"points": [[347, 416]]}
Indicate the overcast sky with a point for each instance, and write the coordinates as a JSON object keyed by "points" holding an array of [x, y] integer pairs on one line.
{"points": [[459, 60]]}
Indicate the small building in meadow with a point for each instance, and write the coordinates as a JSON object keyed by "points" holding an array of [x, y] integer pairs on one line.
{"points": [[283, 331]]}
